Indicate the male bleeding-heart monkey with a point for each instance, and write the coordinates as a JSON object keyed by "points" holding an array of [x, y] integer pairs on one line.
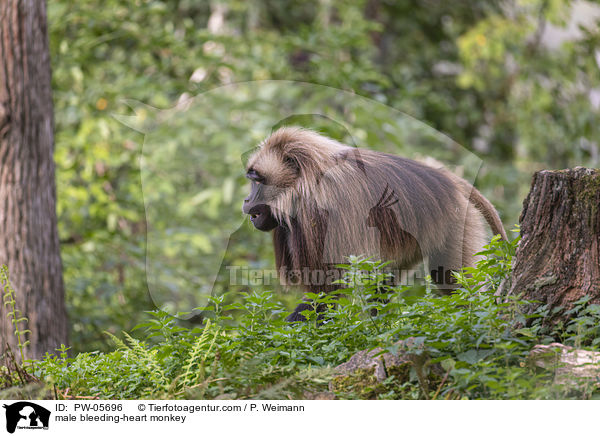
{"points": [[324, 201]]}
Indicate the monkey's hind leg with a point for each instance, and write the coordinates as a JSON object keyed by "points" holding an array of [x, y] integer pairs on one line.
{"points": [[296, 315], [442, 264], [458, 251]]}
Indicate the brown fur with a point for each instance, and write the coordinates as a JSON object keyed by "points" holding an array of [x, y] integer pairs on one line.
{"points": [[332, 201]]}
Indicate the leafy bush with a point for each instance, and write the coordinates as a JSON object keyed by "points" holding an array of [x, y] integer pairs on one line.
{"points": [[246, 349]]}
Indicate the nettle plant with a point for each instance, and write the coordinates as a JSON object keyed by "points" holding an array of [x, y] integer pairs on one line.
{"points": [[246, 349]]}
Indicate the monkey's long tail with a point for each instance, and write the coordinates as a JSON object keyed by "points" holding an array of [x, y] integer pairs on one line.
{"points": [[483, 205], [486, 208]]}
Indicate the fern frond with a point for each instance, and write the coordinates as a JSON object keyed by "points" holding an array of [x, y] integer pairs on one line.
{"points": [[198, 355], [14, 314]]}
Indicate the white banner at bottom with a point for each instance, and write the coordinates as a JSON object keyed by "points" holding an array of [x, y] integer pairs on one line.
{"points": [[157, 417]]}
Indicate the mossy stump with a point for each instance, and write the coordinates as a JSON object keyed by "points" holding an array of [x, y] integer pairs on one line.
{"points": [[558, 259]]}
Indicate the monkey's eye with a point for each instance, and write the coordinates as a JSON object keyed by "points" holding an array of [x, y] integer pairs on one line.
{"points": [[253, 175]]}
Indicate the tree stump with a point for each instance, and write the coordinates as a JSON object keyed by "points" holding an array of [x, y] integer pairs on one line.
{"points": [[558, 259]]}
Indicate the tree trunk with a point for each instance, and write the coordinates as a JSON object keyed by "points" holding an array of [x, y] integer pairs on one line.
{"points": [[558, 259], [28, 233]]}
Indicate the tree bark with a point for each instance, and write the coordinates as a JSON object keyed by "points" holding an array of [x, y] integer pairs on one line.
{"points": [[28, 232], [558, 259]]}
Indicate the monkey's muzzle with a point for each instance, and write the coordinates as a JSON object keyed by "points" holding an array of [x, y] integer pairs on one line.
{"points": [[261, 216]]}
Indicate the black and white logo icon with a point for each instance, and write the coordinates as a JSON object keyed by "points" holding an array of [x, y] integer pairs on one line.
{"points": [[26, 415]]}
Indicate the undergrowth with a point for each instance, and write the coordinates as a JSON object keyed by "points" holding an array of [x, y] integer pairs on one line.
{"points": [[246, 350]]}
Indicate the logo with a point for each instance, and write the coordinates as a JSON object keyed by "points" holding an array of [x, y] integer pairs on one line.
{"points": [[26, 415]]}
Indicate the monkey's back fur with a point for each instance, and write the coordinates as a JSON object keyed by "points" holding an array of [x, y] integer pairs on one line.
{"points": [[332, 201]]}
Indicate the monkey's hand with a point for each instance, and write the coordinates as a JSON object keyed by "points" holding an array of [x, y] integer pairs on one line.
{"points": [[296, 315]]}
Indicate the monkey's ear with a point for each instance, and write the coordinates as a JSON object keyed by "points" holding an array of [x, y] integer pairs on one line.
{"points": [[292, 162], [299, 159]]}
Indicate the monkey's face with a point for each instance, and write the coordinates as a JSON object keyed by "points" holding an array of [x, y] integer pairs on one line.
{"points": [[276, 172], [257, 203]]}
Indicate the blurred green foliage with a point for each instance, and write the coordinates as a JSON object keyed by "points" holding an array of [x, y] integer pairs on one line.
{"points": [[479, 72]]}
